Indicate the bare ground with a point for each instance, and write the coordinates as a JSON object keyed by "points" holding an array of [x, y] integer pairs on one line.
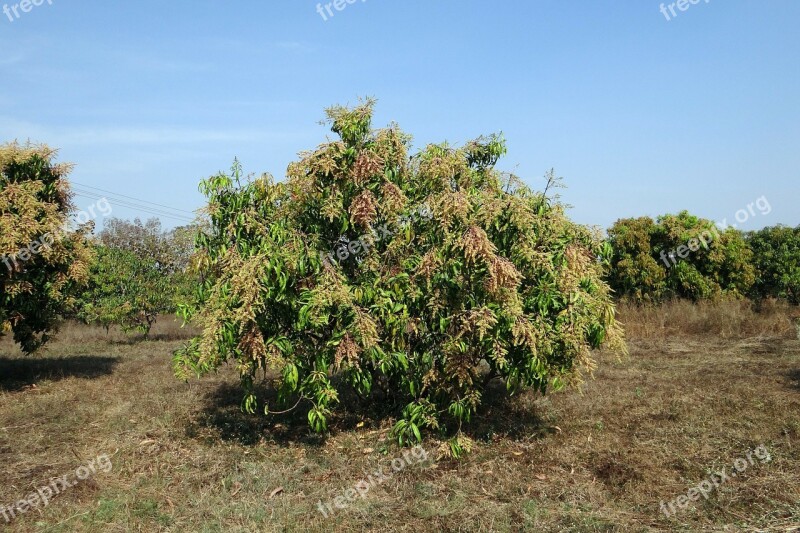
{"points": [[692, 398]]}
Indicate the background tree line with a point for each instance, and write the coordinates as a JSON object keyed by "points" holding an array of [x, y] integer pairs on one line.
{"points": [[673, 257], [497, 284], [131, 272], [140, 272]]}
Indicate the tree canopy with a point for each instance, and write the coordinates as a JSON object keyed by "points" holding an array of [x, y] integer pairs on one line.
{"points": [[45, 259], [678, 256], [455, 273]]}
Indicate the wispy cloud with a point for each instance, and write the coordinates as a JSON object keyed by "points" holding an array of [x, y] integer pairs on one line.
{"points": [[295, 46], [163, 64], [154, 135], [7, 61]]}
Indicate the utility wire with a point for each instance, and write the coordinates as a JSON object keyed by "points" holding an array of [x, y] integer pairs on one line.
{"points": [[128, 202], [130, 197], [124, 203], [130, 205]]}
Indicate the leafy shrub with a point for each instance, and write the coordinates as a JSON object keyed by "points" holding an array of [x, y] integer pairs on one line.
{"points": [[43, 262], [126, 290], [139, 273], [634, 268], [454, 274], [678, 256], [776, 253]]}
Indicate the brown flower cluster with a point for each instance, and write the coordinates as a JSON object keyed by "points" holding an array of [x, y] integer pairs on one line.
{"points": [[393, 198], [476, 244], [364, 209], [347, 352], [367, 167]]}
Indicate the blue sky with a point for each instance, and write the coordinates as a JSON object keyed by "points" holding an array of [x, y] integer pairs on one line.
{"points": [[641, 115]]}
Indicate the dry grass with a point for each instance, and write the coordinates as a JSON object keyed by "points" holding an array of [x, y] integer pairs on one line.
{"points": [[695, 394], [736, 319]]}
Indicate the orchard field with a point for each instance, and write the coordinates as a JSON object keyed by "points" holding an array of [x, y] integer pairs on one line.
{"points": [[534, 268], [393, 337], [701, 387]]}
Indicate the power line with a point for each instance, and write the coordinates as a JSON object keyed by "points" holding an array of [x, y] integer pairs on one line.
{"points": [[79, 190], [130, 205], [129, 197]]}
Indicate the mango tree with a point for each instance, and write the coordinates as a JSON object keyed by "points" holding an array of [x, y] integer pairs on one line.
{"points": [[45, 260], [458, 274]]}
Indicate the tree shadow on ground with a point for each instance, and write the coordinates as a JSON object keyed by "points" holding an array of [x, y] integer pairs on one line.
{"points": [[18, 373], [221, 414], [510, 417], [794, 378], [134, 339], [221, 417]]}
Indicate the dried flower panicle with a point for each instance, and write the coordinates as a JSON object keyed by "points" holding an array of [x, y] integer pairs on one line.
{"points": [[393, 199], [367, 167], [364, 209], [347, 352], [476, 244], [502, 275]]}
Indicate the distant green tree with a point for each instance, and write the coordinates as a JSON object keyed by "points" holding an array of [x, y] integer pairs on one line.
{"points": [[635, 271], [140, 272], [678, 256], [126, 290], [776, 253]]}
